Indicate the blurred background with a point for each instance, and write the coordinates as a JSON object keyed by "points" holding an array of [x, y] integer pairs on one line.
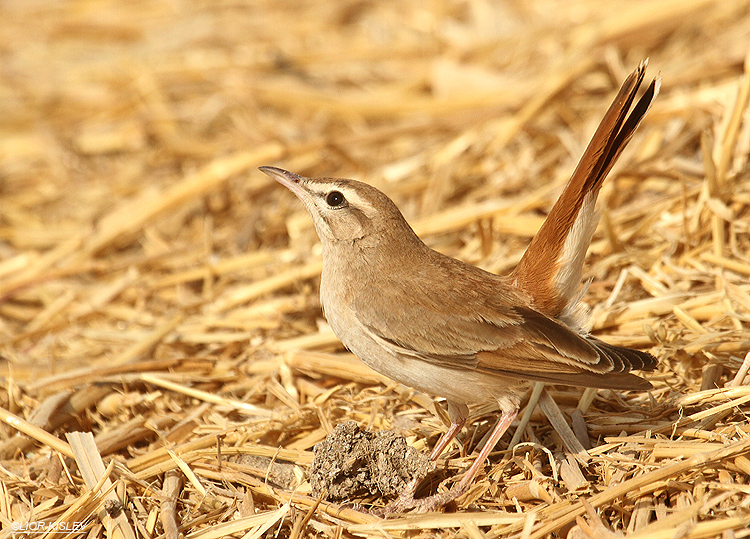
{"points": [[130, 133]]}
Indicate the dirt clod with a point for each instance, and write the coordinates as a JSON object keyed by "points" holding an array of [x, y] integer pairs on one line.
{"points": [[353, 462]]}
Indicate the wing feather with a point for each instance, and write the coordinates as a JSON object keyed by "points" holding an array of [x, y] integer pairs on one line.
{"points": [[483, 323]]}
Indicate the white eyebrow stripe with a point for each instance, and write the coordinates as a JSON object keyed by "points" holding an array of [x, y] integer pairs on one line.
{"points": [[358, 202], [350, 195]]}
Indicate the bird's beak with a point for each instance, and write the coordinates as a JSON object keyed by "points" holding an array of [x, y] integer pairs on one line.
{"points": [[294, 182]]}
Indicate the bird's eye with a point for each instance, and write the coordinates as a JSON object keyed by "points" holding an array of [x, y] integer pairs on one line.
{"points": [[335, 199]]}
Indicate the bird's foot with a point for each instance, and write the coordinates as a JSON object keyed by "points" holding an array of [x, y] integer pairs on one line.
{"points": [[401, 504], [407, 502]]}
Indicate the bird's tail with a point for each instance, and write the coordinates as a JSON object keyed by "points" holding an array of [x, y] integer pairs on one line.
{"points": [[551, 267]]}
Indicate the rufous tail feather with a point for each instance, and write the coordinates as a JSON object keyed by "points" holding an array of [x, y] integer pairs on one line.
{"points": [[551, 268]]}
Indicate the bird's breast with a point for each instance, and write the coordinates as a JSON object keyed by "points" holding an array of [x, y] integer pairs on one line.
{"points": [[337, 297]]}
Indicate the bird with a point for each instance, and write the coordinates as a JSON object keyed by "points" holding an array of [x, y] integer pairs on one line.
{"points": [[450, 329]]}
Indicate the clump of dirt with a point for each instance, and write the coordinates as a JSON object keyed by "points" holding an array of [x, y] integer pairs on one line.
{"points": [[353, 462]]}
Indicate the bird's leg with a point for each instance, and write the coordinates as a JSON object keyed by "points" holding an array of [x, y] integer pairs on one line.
{"points": [[506, 418], [406, 501], [458, 413], [445, 439], [442, 498]]}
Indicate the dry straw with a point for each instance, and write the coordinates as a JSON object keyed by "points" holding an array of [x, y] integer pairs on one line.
{"points": [[160, 295]]}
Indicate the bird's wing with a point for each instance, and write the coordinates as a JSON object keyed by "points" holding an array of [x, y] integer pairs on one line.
{"points": [[481, 323]]}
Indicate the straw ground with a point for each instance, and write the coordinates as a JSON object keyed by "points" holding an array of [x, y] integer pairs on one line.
{"points": [[166, 368]]}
